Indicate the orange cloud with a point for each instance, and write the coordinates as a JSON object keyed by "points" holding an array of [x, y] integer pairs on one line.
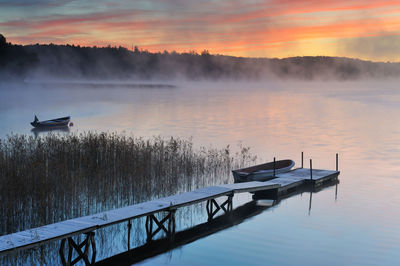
{"points": [[234, 27]]}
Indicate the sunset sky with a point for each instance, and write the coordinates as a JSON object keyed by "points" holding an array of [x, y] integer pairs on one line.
{"points": [[367, 29]]}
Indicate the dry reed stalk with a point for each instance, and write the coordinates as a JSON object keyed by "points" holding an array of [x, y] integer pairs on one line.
{"points": [[57, 177]]}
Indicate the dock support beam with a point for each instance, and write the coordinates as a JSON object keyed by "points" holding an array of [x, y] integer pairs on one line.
{"points": [[211, 203], [129, 234], [169, 230], [82, 254]]}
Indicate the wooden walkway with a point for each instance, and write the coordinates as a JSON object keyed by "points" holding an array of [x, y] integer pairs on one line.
{"points": [[186, 236], [67, 229]]}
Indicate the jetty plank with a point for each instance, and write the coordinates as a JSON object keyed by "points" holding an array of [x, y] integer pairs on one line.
{"points": [[304, 174], [252, 186], [195, 196]]}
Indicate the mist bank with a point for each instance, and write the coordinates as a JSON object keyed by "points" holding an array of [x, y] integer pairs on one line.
{"points": [[70, 61]]}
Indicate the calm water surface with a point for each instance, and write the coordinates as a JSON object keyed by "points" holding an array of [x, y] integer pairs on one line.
{"points": [[359, 120]]}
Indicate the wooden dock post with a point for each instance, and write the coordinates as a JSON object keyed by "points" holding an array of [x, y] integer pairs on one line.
{"points": [[129, 234], [274, 166], [311, 169], [302, 156], [337, 162]]}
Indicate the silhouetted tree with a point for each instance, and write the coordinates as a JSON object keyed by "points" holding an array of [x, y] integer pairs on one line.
{"points": [[3, 41]]}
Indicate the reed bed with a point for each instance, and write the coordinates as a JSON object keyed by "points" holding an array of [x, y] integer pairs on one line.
{"points": [[57, 177]]}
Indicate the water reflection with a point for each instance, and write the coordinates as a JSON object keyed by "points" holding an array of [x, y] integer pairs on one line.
{"points": [[356, 119], [260, 203], [163, 245]]}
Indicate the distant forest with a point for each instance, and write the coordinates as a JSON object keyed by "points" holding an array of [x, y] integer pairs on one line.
{"points": [[70, 61]]}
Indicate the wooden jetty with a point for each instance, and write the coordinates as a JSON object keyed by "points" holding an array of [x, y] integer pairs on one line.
{"points": [[250, 209], [186, 236], [65, 230]]}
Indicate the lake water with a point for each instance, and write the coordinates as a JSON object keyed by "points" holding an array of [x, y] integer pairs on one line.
{"points": [[357, 223]]}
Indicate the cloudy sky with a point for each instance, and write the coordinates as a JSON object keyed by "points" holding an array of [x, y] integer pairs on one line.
{"points": [[367, 29]]}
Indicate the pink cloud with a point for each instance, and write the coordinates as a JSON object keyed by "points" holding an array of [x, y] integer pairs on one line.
{"points": [[220, 27]]}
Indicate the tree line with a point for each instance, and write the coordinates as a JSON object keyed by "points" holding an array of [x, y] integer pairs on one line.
{"points": [[74, 61]]}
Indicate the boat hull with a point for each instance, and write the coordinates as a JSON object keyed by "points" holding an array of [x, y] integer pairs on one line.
{"points": [[262, 172]]}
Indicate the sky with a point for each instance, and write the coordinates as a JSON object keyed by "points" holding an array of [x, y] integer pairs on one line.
{"points": [[366, 29]]}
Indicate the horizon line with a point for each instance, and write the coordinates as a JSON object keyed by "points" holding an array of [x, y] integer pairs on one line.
{"points": [[195, 52]]}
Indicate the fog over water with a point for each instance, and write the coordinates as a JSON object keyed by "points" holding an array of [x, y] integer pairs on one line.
{"points": [[357, 119]]}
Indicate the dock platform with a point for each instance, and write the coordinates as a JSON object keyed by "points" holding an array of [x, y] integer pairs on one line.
{"points": [[65, 230]]}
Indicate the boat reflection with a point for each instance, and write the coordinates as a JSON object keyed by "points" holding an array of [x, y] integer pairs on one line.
{"points": [[40, 130]]}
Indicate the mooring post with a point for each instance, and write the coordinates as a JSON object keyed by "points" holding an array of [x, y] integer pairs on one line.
{"points": [[302, 159], [274, 166], [311, 169], [337, 162]]}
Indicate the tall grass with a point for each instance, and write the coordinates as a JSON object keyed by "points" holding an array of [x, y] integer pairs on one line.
{"points": [[57, 177]]}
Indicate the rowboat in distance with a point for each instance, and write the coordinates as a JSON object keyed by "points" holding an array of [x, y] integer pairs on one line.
{"points": [[58, 122], [262, 172]]}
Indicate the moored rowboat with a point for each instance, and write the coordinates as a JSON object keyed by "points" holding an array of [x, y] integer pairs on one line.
{"points": [[58, 122], [262, 172]]}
